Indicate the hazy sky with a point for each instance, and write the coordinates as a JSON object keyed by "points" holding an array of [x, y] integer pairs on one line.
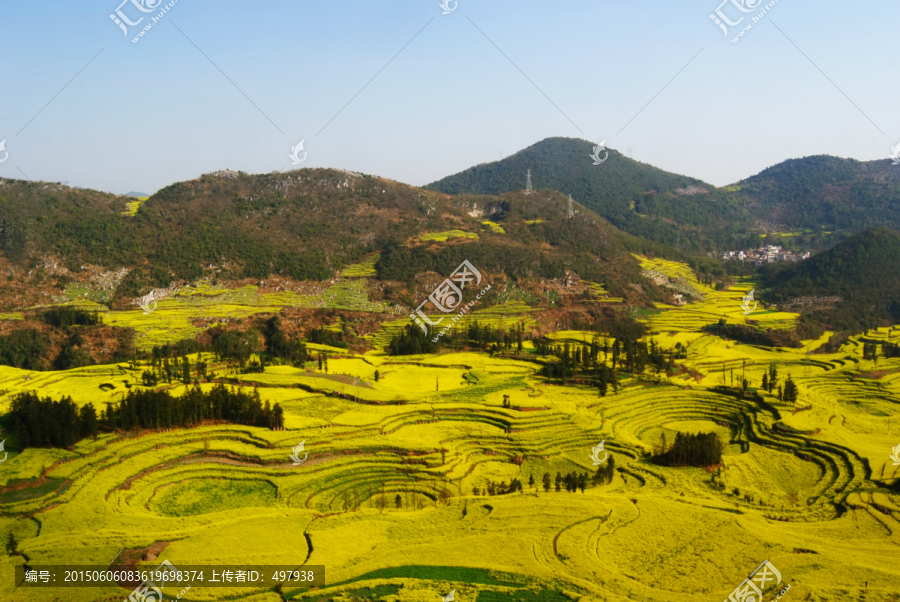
{"points": [[139, 116]]}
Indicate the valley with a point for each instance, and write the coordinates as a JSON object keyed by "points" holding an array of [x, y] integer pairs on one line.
{"points": [[393, 497]]}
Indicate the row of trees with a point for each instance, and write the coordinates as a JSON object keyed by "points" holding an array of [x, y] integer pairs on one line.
{"points": [[501, 488], [412, 340], [159, 409], [47, 422], [571, 481], [179, 369]]}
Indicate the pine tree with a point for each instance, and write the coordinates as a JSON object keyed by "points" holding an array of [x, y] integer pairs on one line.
{"points": [[773, 376], [531, 480], [558, 481], [791, 391], [11, 544], [546, 481]]}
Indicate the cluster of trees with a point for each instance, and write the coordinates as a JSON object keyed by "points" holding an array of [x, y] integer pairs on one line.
{"points": [[628, 354], [412, 341], [47, 422], [50, 423], [279, 345], [323, 336], [888, 350], [180, 369], [788, 392], [701, 449], [31, 349], [495, 339], [501, 488], [159, 409], [24, 348], [573, 481], [870, 351], [770, 337], [234, 346], [178, 349], [61, 317]]}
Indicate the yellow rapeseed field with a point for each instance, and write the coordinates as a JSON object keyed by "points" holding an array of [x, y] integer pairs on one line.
{"points": [[387, 501]]}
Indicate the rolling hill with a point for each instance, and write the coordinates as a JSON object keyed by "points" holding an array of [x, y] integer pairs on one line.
{"points": [[822, 198], [636, 197], [308, 225], [824, 193], [854, 285]]}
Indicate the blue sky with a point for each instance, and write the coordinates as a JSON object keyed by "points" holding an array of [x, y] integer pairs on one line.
{"points": [[142, 115]]}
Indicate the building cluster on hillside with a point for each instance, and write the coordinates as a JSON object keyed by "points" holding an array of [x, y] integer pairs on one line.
{"points": [[766, 254]]}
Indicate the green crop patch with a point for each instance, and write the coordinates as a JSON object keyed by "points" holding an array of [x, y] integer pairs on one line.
{"points": [[202, 496]]}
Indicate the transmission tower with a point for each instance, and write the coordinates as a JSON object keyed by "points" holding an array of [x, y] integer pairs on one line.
{"points": [[571, 208], [528, 188]]}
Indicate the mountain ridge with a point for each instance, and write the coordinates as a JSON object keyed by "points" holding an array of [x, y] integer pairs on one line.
{"points": [[813, 196]]}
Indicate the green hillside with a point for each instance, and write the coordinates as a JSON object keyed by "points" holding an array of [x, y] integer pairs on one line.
{"points": [[305, 225], [636, 197], [825, 193], [863, 271], [821, 198]]}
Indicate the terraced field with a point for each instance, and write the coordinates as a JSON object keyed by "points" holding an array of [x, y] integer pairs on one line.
{"points": [[387, 498]]}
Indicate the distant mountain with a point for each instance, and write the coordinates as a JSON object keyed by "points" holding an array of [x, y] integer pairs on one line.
{"points": [[308, 224], [820, 200], [852, 286], [137, 194], [823, 193], [636, 197]]}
